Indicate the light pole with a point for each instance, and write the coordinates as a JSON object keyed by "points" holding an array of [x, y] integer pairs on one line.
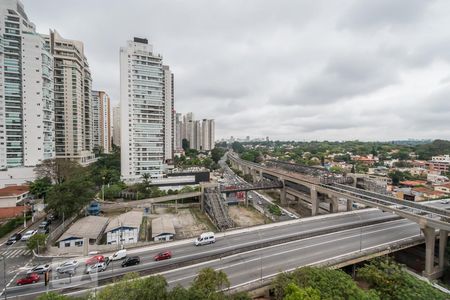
{"points": [[103, 188], [260, 258], [360, 234], [4, 273]]}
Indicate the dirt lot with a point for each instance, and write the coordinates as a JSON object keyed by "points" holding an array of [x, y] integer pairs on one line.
{"points": [[186, 223], [245, 217]]}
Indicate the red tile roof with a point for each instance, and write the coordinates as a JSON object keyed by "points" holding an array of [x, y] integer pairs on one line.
{"points": [[413, 182], [14, 190]]}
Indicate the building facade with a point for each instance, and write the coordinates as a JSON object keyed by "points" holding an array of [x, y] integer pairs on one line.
{"points": [[101, 122], [168, 93], [26, 91], [142, 113], [116, 126], [200, 134], [73, 99]]}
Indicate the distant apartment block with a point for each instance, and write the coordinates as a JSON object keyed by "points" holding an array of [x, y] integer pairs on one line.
{"points": [[168, 93], [73, 98], [145, 88], [439, 164], [200, 134], [101, 121], [116, 126], [26, 91]]}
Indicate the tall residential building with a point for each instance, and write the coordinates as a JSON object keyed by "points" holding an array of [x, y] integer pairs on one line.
{"points": [[168, 93], [208, 137], [73, 97], [116, 126], [142, 104], [101, 122], [26, 91], [178, 132]]}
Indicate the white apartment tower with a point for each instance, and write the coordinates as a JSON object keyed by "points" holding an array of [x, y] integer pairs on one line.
{"points": [[142, 111], [26, 91], [208, 135], [116, 126], [73, 98], [101, 122], [168, 114]]}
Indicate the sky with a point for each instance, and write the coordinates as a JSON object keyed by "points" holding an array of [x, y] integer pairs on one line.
{"points": [[289, 70]]}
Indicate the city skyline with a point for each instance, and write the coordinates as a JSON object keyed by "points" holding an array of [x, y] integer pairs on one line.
{"points": [[342, 71]]}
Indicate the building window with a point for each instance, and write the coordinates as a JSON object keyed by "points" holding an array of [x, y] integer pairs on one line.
{"points": [[67, 244], [79, 243]]}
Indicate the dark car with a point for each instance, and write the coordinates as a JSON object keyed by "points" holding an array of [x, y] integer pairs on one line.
{"points": [[13, 239], [30, 278], [44, 225], [163, 255], [131, 261], [43, 231]]}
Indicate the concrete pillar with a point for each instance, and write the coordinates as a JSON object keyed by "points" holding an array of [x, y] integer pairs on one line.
{"points": [[334, 204], [283, 196], [246, 198], [443, 236], [85, 246], [349, 205], [430, 239], [202, 198], [314, 201]]}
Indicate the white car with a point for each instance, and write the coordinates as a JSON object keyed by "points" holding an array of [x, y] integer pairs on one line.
{"points": [[26, 236], [98, 267], [41, 269], [67, 267]]}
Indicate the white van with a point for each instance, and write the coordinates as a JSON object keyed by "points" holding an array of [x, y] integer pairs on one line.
{"points": [[121, 254], [205, 238]]}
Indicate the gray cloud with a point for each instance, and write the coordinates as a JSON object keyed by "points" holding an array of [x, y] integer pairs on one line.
{"points": [[287, 69]]}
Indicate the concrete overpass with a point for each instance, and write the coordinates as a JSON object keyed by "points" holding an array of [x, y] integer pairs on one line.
{"points": [[431, 220]]}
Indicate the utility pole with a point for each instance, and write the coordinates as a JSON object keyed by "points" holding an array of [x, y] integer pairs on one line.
{"points": [[4, 273]]}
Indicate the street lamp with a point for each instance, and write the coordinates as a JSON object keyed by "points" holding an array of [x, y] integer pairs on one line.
{"points": [[4, 272], [360, 234], [103, 188]]}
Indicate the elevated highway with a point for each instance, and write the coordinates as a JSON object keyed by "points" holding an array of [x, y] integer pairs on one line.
{"points": [[253, 256], [432, 220]]}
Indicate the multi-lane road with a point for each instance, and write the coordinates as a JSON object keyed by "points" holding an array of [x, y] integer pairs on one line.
{"points": [[246, 254]]}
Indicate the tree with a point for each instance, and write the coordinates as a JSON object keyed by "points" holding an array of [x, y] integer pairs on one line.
{"points": [[293, 292], [58, 170], [217, 153], [146, 179], [209, 281], [53, 296], [392, 282], [36, 242], [70, 196], [337, 170], [237, 147], [40, 187], [185, 144]]}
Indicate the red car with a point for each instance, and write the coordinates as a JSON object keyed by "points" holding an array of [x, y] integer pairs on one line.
{"points": [[30, 278], [95, 259], [163, 255]]}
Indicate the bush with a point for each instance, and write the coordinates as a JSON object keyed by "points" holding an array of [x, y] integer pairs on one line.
{"points": [[331, 284], [392, 282], [274, 209], [11, 225]]}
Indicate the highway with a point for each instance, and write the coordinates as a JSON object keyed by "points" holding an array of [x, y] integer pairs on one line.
{"points": [[227, 250]]}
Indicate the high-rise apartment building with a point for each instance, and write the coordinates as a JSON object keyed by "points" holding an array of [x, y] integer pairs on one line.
{"points": [[101, 122], [26, 91], [208, 137], [73, 98], [143, 110], [178, 132], [116, 126], [168, 94]]}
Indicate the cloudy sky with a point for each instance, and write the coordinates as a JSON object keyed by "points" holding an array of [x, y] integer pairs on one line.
{"points": [[297, 70]]}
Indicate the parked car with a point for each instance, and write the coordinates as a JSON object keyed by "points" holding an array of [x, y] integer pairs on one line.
{"points": [[131, 261], [67, 267], [44, 225], [43, 231], [95, 259], [30, 278], [51, 217], [205, 238], [26, 236], [14, 238], [97, 267], [121, 254], [163, 255], [41, 269]]}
